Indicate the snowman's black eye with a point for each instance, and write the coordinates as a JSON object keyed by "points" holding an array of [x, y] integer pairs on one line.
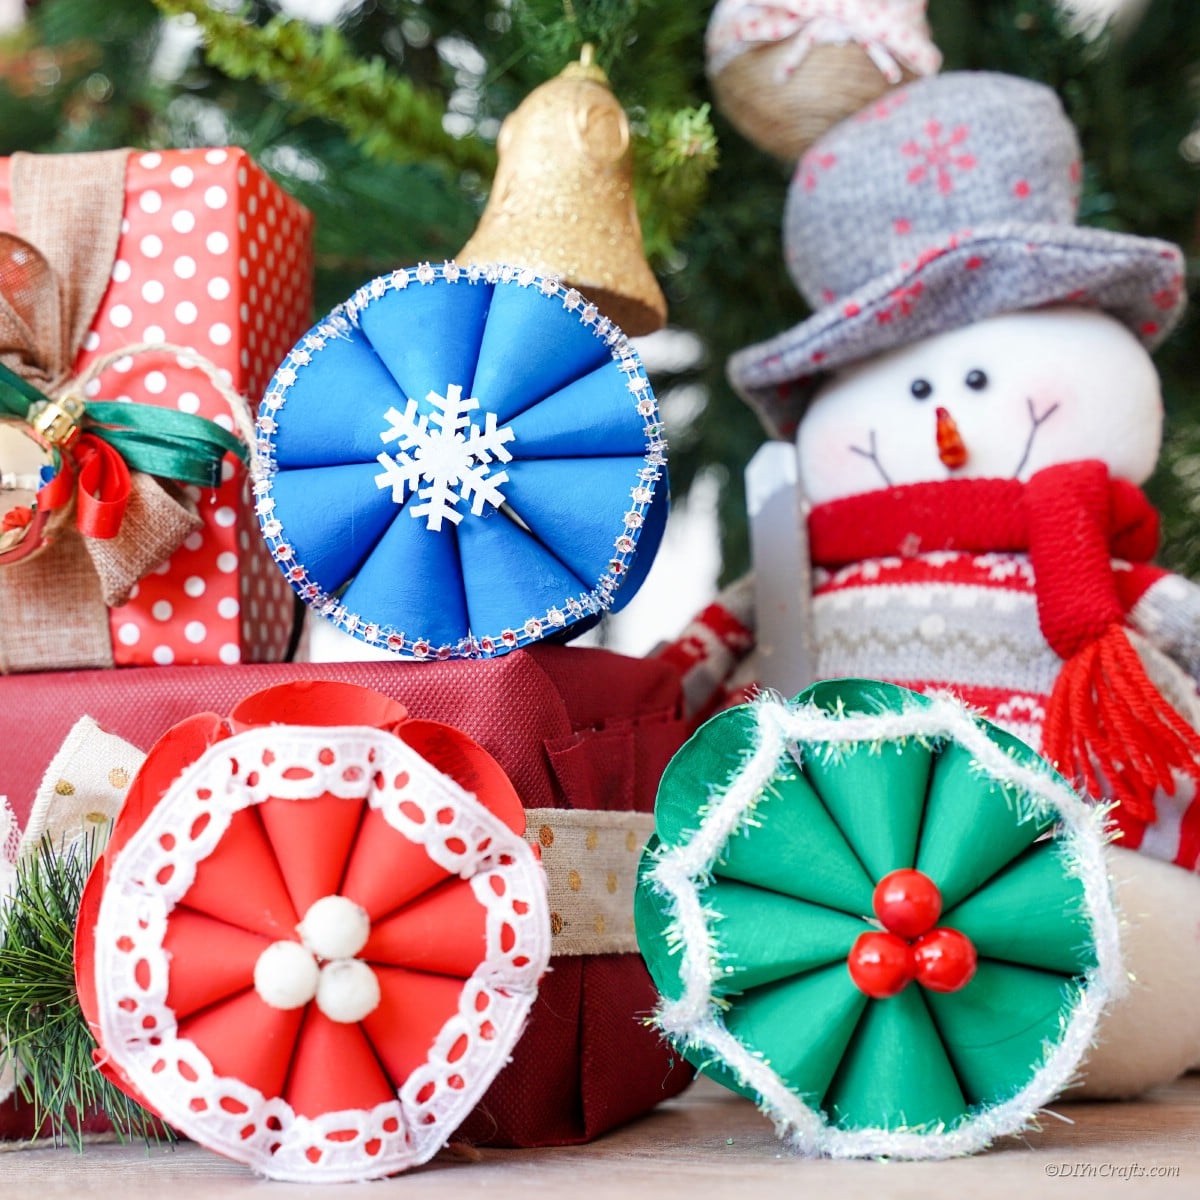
{"points": [[976, 380], [922, 389]]}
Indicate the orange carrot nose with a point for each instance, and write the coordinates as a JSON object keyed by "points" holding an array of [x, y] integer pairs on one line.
{"points": [[951, 448]]}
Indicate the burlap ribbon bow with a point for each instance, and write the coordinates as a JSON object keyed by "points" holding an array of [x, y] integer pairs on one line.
{"points": [[53, 605]]}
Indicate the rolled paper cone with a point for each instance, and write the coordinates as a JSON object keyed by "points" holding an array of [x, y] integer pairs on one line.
{"points": [[413, 1008], [395, 325], [317, 433], [996, 1028], [650, 537], [178, 748], [309, 495], [651, 919], [711, 757], [239, 882], [209, 961], [312, 840], [971, 830], [443, 931], [801, 1026], [335, 1069], [409, 564], [556, 349], [794, 847], [895, 1073], [763, 936], [545, 494], [1051, 931], [246, 1039], [469, 765], [318, 702], [508, 573], [386, 870], [876, 794], [551, 429]]}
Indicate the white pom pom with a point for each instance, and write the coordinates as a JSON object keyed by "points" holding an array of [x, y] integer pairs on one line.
{"points": [[286, 975], [348, 990], [335, 927]]}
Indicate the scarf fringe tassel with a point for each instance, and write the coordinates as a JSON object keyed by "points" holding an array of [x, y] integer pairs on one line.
{"points": [[1109, 729]]}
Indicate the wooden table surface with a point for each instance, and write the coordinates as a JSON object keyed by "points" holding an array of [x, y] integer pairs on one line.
{"points": [[706, 1143]]}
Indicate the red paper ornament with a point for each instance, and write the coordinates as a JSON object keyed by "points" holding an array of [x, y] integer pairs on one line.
{"points": [[908, 903], [881, 964], [944, 960]]}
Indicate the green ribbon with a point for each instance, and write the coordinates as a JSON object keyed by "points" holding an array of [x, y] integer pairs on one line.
{"points": [[159, 441]]}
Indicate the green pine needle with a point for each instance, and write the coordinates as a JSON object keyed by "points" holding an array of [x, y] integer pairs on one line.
{"points": [[41, 1024], [318, 73]]}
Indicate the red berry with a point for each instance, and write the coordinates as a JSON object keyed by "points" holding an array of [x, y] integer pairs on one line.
{"points": [[908, 903], [881, 964], [945, 960]]}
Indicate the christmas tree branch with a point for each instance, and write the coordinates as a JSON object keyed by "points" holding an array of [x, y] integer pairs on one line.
{"points": [[673, 160], [42, 1028], [317, 72]]}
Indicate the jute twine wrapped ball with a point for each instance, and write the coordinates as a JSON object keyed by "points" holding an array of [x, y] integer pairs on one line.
{"points": [[785, 118], [786, 71]]}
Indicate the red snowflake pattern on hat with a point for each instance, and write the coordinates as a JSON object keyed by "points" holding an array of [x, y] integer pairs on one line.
{"points": [[938, 156], [901, 302]]}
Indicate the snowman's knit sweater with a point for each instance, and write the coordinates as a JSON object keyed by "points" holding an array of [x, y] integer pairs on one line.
{"points": [[967, 622], [946, 620]]}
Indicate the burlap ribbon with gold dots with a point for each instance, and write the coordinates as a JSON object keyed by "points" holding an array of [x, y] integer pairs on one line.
{"points": [[53, 277], [591, 857]]}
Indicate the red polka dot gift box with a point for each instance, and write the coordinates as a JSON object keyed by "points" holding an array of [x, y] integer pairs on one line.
{"points": [[185, 276]]}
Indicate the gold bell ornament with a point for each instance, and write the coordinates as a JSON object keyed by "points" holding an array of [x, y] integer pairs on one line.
{"points": [[562, 200]]}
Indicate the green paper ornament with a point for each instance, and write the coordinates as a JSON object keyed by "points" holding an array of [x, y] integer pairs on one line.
{"points": [[774, 824]]}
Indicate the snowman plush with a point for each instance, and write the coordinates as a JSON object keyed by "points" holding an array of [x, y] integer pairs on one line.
{"points": [[974, 406]]}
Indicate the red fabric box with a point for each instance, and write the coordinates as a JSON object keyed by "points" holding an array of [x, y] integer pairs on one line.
{"points": [[212, 255], [573, 728]]}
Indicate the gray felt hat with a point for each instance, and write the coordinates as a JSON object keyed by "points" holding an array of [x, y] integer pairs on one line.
{"points": [[947, 201]]}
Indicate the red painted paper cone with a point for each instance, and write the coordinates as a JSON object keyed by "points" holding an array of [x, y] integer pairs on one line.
{"points": [[335, 1069], [244, 1038], [443, 931]]}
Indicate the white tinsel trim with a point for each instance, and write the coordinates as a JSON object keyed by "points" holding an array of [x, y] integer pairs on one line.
{"points": [[682, 873]]}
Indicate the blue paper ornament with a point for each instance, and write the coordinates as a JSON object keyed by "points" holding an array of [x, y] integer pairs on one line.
{"points": [[459, 461]]}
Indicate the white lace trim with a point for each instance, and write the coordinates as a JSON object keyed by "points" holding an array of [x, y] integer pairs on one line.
{"points": [[158, 866], [683, 872]]}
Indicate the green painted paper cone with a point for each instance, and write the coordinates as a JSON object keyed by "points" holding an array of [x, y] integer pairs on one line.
{"points": [[876, 796], [971, 828], [895, 1073], [764, 937], [801, 1026], [795, 848], [708, 760], [650, 920], [1032, 913], [996, 1028]]}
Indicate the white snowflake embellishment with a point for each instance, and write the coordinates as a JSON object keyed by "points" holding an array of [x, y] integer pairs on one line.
{"points": [[446, 452]]}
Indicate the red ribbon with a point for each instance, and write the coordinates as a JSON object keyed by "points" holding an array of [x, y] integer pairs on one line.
{"points": [[99, 474]]}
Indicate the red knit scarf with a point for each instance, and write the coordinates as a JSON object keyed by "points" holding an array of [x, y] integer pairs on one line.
{"points": [[1106, 722]]}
